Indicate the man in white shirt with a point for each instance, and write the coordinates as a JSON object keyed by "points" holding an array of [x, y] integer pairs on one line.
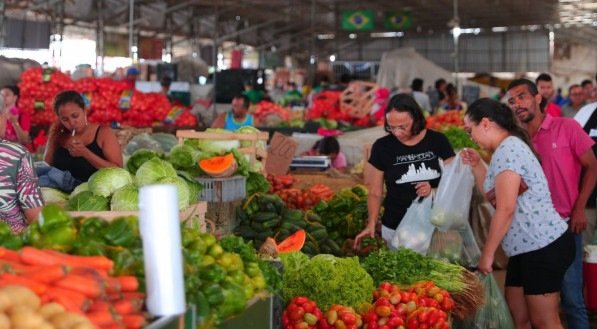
{"points": [[419, 96]]}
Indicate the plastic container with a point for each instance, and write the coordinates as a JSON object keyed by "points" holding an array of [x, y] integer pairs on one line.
{"points": [[223, 189]]}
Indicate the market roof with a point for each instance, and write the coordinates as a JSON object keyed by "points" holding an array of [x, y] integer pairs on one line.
{"points": [[293, 25]]}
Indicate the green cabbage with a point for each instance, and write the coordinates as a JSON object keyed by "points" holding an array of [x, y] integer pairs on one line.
{"points": [[107, 180], [326, 279], [153, 171], [194, 186], [184, 156], [125, 198], [88, 201], [167, 141], [216, 147], [80, 188], [250, 130], [138, 158], [52, 195], [182, 190]]}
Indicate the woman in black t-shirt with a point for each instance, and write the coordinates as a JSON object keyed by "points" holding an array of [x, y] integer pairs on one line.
{"points": [[407, 160]]}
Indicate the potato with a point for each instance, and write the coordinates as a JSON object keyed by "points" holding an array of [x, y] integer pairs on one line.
{"points": [[67, 320], [50, 309], [5, 301], [26, 320], [18, 309], [46, 325], [4, 321], [22, 296], [83, 325]]}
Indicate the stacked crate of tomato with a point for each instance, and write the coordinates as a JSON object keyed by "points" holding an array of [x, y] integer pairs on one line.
{"points": [[38, 88]]}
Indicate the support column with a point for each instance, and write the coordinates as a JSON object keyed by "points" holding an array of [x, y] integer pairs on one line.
{"points": [[2, 23], [100, 39]]}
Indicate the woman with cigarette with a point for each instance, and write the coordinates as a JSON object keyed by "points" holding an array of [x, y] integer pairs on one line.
{"points": [[76, 146]]}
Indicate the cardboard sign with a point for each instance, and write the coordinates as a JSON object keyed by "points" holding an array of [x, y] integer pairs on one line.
{"points": [[279, 154]]}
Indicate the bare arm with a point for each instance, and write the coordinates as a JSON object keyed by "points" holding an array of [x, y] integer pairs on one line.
{"points": [[110, 147], [22, 135], [374, 182], [50, 148], [478, 167], [578, 218], [31, 214], [220, 121], [506, 190]]}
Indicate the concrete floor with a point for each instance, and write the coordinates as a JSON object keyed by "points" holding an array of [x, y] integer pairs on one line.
{"points": [[500, 277]]}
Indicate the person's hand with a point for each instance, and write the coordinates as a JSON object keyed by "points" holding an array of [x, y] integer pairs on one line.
{"points": [[367, 232], [423, 189], [76, 148], [485, 265], [12, 117], [470, 157], [578, 220]]}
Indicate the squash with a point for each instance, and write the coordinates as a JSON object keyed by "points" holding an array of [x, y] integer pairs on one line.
{"points": [[294, 242], [219, 166]]}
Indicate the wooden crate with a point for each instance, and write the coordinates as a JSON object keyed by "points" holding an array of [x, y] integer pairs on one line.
{"points": [[335, 182], [195, 214], [253, 151]]}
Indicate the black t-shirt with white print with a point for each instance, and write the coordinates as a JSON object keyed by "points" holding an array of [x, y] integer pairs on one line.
{"points": [[404, 166]]}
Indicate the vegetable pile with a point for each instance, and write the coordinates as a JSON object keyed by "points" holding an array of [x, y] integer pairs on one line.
{"points": [[405, 267], [302, 312]]}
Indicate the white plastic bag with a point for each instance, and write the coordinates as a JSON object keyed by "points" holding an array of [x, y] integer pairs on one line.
{"points": [[450, 209], [415, 229]]}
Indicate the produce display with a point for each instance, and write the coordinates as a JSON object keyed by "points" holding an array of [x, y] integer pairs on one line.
{"points": [[109, 100]]}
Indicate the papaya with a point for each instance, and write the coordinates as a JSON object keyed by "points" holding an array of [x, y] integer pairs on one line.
{"points": [[219, 166], [293, 243]]}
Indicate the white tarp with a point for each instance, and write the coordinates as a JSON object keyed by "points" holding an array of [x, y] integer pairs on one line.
{"points": [[399, 67]]}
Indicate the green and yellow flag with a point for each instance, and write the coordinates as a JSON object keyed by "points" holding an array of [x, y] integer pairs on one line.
{"points": [[397, 20], [358, 20]]}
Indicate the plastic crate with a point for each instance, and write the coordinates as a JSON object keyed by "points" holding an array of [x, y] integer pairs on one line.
{"points": [[223, 189]]}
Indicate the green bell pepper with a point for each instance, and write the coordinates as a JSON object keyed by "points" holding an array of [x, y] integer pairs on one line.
{"points": [[213, 293], [92, 227], [123, 232], [11, 241], [213, 273], [125, 263], [59, 238], [53, 216], [234, 301], [5, 229], [89, 247]]}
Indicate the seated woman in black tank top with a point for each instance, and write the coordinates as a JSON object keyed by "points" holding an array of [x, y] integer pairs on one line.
{"points": [[77, 146]]}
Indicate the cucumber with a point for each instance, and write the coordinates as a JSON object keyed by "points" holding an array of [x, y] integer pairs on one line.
{"points": [[245, 231], [320, 234], [292, 215], [270, 223], [262, 216]]}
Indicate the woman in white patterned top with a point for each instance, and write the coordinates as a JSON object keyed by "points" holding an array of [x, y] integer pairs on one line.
{"points": [[526, 223]]}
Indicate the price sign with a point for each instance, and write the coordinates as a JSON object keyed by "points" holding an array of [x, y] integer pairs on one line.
{"points": [[279, 154]]}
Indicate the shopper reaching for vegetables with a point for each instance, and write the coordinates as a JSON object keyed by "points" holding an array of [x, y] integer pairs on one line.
{"points": [[77, 146], [526, 223], [407, 161]]}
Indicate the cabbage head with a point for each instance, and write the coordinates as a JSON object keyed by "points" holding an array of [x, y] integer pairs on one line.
{"points": [[80, 188], [194, 186], [167, 141], [183, 156], [52, 195], [217, 147], [153, 171], [138, 158], [88, 201], [107, 180], [182, 190], [125, 198], [250, 130]]}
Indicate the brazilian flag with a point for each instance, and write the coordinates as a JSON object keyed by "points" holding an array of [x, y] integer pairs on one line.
{"points": [[358, 20], [397, 20]]}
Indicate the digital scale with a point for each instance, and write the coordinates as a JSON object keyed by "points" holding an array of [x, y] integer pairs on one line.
{"points": [[311, 162]]}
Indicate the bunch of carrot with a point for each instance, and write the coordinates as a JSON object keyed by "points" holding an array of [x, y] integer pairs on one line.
{"points": [[79, 283]]}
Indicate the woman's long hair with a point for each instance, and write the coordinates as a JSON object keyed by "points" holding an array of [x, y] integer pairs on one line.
{"points": [[502, 115], [406, 103]]}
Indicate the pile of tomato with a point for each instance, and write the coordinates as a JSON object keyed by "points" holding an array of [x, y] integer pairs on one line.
{"points": [[265, 108], [445, 119], [109, 101]]}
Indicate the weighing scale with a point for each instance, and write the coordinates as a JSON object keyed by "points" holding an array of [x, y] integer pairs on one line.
{"points": [[311, 162]]}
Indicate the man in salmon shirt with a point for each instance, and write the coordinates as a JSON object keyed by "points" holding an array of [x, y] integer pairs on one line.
{"points": [[565, 151], [545, 86]]}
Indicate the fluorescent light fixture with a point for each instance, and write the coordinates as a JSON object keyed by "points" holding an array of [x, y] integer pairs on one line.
{"points": [[387, 34], [326, 36], [499, 29], [352, 35], [474, 30]]}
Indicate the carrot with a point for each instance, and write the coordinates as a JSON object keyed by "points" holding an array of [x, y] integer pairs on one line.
{"points": [[96, 262], [17, 267], [69, 304], [123, 307], [128, 283], [87, 286], [112, 285], [34, 256], [137, 295], [8, 279], [10, 255], [101, 305], [101, 318], [134, 321], [47, 274], [81, 301]]}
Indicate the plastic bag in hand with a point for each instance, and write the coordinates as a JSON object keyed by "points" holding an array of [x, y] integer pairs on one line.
{"points": [[415, 229], [453, 197]]}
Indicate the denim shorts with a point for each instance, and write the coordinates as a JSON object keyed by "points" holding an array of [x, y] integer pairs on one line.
{"points": [[541, 271]]}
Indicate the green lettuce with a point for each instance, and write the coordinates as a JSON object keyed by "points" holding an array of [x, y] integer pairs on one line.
{"points": [[88, 201], [138, 158], [153, 171], [107, 180], [125, 198]]}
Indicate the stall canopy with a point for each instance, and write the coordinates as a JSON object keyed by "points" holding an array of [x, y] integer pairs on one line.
{"points": [[399, 67]]}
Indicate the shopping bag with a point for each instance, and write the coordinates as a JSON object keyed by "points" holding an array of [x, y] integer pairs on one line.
{"points": [[415, 229], [494, 314], [454, 246], [453, 197]]}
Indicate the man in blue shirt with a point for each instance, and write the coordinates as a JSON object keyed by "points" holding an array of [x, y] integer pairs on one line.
{"points": [[238, 117]]}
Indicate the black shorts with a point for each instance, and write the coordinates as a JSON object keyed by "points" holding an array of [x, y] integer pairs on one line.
{"points": [[542, 271]]}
